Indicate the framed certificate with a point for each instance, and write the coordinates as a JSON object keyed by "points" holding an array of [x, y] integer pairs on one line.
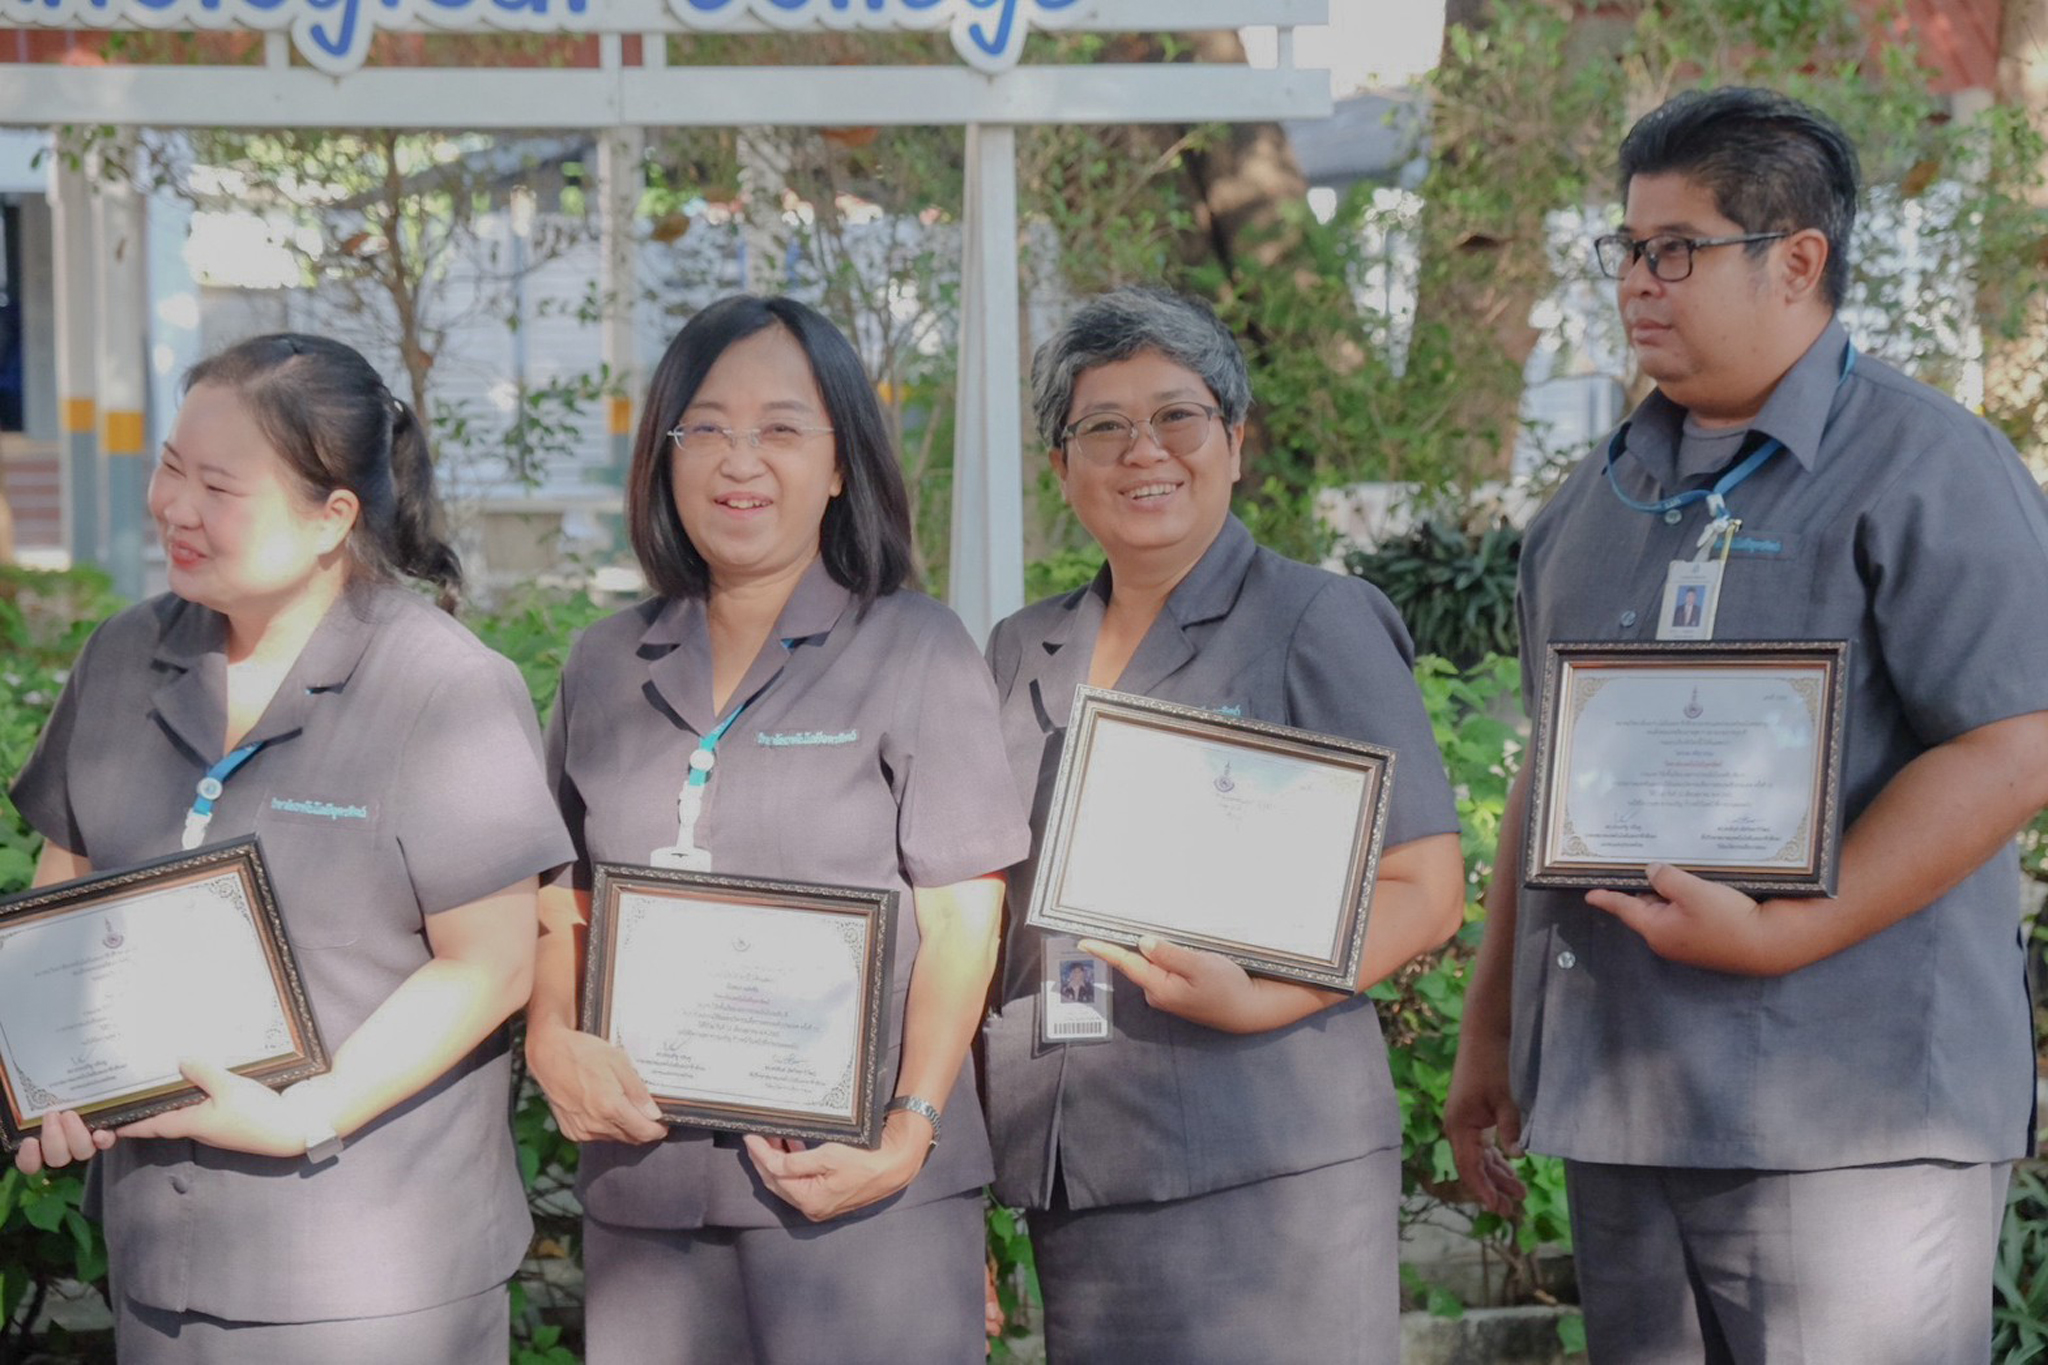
{"points": [[1722, 758], [108, 981], [745, 1005], [1258, 841]]}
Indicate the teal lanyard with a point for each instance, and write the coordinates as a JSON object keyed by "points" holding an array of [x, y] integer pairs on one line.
{"points": [[690, 801], [209, 790], [1716, 497]]}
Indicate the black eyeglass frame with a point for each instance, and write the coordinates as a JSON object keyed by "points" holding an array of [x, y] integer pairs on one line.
{"points": [[1645, 248]]}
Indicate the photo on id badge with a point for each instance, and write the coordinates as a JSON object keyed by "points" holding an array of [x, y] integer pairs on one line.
{"points": [[1074, 995], [1692, 594]]}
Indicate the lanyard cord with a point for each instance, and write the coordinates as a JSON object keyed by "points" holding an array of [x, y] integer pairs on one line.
{"points": [[1715, 497], [209, 790], [690, 800]]}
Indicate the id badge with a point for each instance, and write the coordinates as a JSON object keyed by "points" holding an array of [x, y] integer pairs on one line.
{"points": [[1074, 993], [1692, 594], [681, 859]]}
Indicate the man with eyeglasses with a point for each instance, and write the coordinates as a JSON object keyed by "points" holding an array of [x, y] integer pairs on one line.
{"points": [[1788, 1125]]}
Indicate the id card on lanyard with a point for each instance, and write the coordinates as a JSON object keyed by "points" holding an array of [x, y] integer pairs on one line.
{"points": [[1692, 587]]}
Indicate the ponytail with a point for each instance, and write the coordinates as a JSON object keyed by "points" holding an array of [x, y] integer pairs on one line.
{"points": [[329, 416], [418, 542]]}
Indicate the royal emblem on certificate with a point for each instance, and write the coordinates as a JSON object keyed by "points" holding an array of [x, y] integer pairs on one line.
{"points": [[1722, 758], [1253, 840], [745, 1005], [108, 982]]}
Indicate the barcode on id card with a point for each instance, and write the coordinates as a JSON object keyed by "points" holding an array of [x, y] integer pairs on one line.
{"points": [[1075, 1028]]}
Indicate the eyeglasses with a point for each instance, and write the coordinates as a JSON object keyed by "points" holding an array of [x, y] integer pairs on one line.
{"points": [[709, 438], [1106, 437], [1670, 258]]}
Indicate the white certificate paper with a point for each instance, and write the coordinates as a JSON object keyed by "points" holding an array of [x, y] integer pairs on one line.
{"points": [[1253, 840], [1702, 768], [99, 1004], [749, 1006], [1211, 840]]}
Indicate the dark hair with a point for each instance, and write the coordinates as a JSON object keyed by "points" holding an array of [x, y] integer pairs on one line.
{"points": [[865, 538], [1116, 326], [1771, 163], [328, 415]]}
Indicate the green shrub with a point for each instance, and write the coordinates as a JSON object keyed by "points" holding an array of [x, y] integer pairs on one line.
{"points": [[1454, 585], [44, 621]]}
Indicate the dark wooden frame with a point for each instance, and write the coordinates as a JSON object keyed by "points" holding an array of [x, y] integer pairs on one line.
{"points": [[877, 908], [1542, 863], [304, 1054]]}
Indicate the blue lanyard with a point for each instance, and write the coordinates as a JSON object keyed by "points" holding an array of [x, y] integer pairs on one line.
{"points": [[706, 753], [209, 790], [1716, 497]]}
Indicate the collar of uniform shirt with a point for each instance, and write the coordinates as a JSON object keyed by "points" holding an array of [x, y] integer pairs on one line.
{"points": [[1210, 588], [814, 607], [1796, 412]]}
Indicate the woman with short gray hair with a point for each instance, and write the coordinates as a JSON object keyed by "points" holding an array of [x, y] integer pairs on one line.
{"points": [[1214, 1176]]}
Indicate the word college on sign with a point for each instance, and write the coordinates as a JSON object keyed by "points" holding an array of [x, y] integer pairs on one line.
{"points": [[334, 35]]}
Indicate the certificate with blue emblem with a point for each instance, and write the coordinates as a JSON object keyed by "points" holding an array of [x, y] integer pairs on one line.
{"points": [[1253, 840], [1723, 758], [109, 981], [746, 1005]]}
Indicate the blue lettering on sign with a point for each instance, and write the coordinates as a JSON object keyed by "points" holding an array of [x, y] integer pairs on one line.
{"points": [[335, 35]]}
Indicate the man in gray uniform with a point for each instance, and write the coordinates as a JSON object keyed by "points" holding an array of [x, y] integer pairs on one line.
{"points": [[1788, 1125]]}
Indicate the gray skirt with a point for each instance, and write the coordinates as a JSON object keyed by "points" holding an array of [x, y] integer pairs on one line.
{"points": [[1296, 1268], [899, 1287], [471, 1331]]}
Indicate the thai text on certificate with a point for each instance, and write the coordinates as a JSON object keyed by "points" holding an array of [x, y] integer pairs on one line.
{"points": [[102, 1003], [1706, 768], [717, 1003], [1217, 840]]}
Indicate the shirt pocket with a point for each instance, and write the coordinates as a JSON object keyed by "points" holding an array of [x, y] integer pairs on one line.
{"points": [[324, 868]]}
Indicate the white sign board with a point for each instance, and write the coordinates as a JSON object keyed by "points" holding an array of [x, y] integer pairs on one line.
{"points": [[334, 35]]}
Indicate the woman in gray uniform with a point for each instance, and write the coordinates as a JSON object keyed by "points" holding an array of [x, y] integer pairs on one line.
{"points": [[1216, 1180], [391, 766], [848, 732]]}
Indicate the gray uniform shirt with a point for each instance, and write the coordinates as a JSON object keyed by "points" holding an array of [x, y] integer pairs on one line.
{"points": [[1166, 1108], [397, 716], [867, 755], [1897, 521]]}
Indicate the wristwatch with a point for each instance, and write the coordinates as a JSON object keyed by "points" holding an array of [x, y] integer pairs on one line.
{"points": [[923, 1108], [307, 1103]]}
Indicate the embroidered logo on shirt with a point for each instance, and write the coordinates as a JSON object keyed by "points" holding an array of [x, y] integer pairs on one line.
{"points": [[800, 738], [1764, 545], [1237, 711], [321, 808]]}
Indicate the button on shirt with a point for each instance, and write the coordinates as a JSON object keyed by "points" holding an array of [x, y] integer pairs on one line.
{"points": [[1898, 521], [425, 743], [1167, 1108], [868, 756]]}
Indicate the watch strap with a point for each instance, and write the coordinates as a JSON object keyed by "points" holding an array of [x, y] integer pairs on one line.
{"points": [[923, 1108]]}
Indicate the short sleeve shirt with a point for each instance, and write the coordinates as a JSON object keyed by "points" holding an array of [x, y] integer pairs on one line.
{"points": [[1167, 1108], [1899, 522], [867, 754], [399, 776]]}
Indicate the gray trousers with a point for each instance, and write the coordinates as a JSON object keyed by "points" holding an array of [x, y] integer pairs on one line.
{"points": [[1880, 1265], [471, 1331], [902, 1287], [1297, 1269]]}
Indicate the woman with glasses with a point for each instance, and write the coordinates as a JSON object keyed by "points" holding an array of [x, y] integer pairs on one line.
{"points": [[809, 718], [1216, 1179], [292, 684]]}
